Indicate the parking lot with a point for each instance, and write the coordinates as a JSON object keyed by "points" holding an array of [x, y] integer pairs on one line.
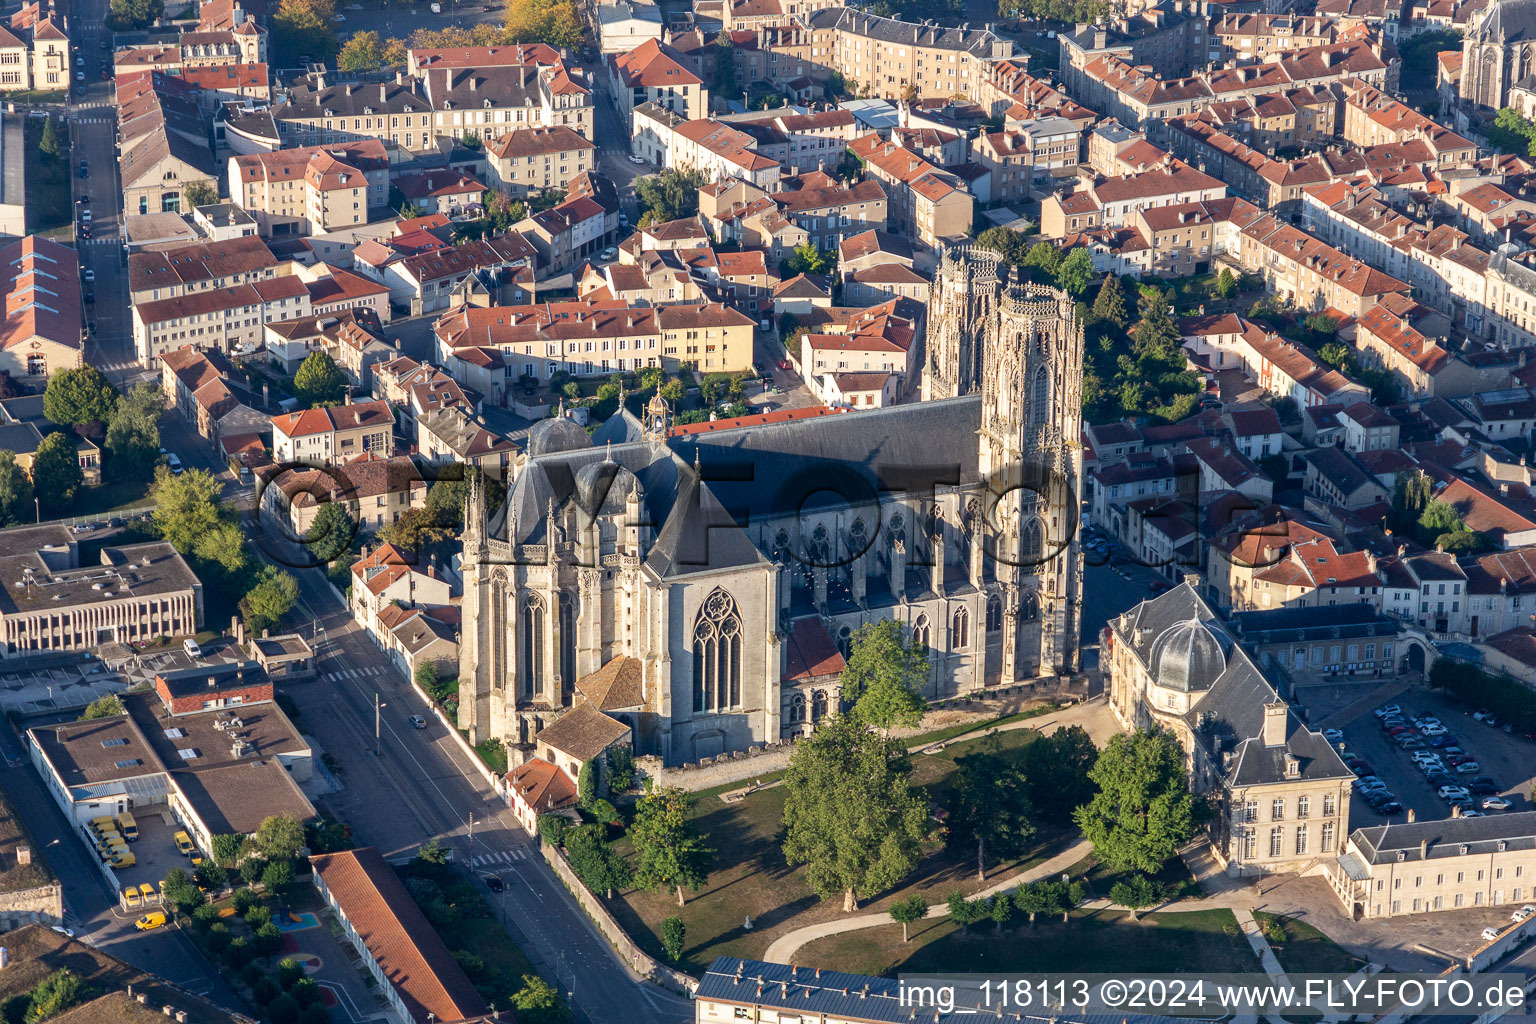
{"points": [[1503, 758], [154, 852]]}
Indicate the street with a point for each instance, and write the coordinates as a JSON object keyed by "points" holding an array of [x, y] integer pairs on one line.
{"points": [[425, 785]]}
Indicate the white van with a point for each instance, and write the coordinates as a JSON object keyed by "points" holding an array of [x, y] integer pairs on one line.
{"points": [[190, 647]]}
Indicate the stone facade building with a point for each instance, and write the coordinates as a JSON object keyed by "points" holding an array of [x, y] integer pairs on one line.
{"points": [[1279, 789], [1499, 53], [702, 555]]}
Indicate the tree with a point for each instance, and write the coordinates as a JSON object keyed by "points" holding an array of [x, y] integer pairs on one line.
{"points": [[594, 860], [1033, 898], [76, 397], [123, 15], [1000, 910], [331, 533], [673, 934], [1143, 811], [1137, 894], [1155, 332], [53, 995], [15, 492], [264, 605], [280, 837], [56, 474], [211, 876], [133, 433], [989, 805], [180, 891], [621, 768], [1226, 284], [849, 813], [226, 848], [552, 828], [556, 22], [1439, 517], [224, 546], [415, 529], [1043, 257], [724, 83], [537, 1002], [885, 673], [1006, 242], [1075, 272], [186, 506], [395, 54], [277, 877], [1057, 768], [670, 195], [363, 52], [433, 852], [807, 259], [670, 853], [965, 912], [1109, 304], [909, 911], [586, 783], [201, 193], [49, 145], [109, 706], [304, 28], [319, 381]]}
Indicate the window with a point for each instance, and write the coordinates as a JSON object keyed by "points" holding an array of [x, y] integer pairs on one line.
{"points": [[1250, 811], [1327, 846], [994, 614], [1303, 805], [1301, 840], [717, 654], [1329, 807], [920, 631], [1277, 809], [1276, 839], [960, 630], [1248, 845]]}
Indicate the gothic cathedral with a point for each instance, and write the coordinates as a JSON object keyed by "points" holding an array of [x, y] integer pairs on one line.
{"points": [[704, 588]]}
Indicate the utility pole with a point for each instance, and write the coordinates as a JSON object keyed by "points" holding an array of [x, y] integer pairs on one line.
{"points": [[471, 840], [378, 706]]}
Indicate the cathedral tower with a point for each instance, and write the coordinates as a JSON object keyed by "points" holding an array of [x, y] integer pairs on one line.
{"points": [[1021, 346]]}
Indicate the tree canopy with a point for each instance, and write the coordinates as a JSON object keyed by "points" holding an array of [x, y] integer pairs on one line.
{"points": [[273, 595], [187, 506], [556, 22], [363, 52], [1143, 812], [885, 676], [849, 813], [280, 837], [76, 397], [670, 853], [133, 433], [56, 474], [1057, 767], [1138, 373], [331, 533], [319, 381], [304, 28], [670, 195], [989, 805], [15, 492]]}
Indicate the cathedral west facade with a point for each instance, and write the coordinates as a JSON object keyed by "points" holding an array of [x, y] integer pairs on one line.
{"points": [[704, 588], [1499, 53]]}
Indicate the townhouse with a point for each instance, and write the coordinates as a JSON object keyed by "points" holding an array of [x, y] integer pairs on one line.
{"points": [[376, 491], [1111, 202], [317, 114], [1282, 367], [655, 73], [34, 50], [925, 201], [334, 435], [532, 159], [312, 189], [887, 58], [492, 99], [44, 315], [1025, 160]]}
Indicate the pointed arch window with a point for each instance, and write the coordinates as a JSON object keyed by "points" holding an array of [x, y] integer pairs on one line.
{"points": [[717, 654], [532, 647], [960, 630], [994, 614], [1033, 545], [921, 631], [1040, 398]]}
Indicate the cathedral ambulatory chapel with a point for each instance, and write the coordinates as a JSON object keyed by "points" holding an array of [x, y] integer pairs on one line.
{"points": [[703, 588]]}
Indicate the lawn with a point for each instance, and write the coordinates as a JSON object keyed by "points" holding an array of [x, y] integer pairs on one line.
{"points": [[1174, 875], [110, 497], [1105, 941], [752, 879], [1303, 949]]}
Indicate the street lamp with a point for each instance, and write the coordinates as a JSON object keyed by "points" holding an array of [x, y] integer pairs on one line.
{"points": [[378, 706]]}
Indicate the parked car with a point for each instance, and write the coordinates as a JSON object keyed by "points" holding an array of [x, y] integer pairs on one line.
{"points": [[495, 883], [1433, 730], [1496, 803], [1363, 769], [1447, 792], [150, 921], [608, 254], [1468, 767], [1390, 809], [636, 158], [1490, 933], [1387, 709], [418, 722], [1333, 735]]}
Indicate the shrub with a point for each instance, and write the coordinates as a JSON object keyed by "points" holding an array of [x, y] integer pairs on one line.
{"points": [[673, 934], [217, 937], [238, 953], [265, 990], [307, 992], [552, 828], [288, 972], [245, 899]]}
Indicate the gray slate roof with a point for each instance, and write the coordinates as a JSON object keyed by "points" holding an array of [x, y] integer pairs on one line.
{"points": [[1381, 843]]}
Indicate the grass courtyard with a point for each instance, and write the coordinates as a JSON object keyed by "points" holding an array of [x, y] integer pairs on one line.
{"points": [[1108, 940], [750, 876], [1303, 949]]}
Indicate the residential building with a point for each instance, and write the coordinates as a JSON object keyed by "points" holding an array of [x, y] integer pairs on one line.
{"points": [[925, 202], [376, 491], [530, 159], [312, 189], [654, 72], [885, 57], [335, 435], [44, 314]]}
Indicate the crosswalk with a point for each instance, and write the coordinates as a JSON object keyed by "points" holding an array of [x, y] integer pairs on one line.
{"points": [[355, 673], [495, 857], [97, 241]]}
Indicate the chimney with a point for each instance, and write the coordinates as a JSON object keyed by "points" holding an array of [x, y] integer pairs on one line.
{"points": [[23, 856], [1455, 813], [1274, 723], [1411, 816]]}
